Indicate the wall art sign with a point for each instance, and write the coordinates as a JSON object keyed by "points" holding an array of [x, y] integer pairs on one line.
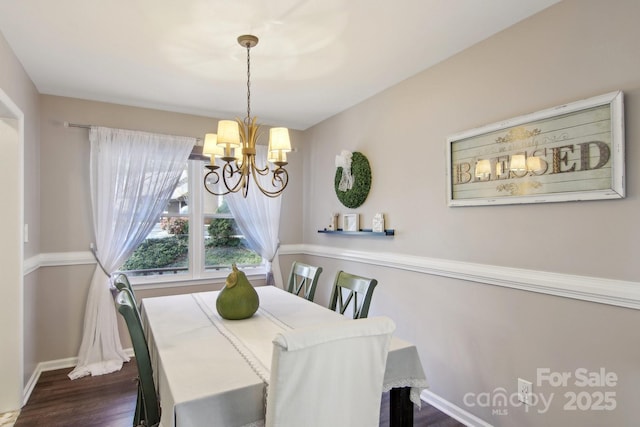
{"points": [[567, 153]]}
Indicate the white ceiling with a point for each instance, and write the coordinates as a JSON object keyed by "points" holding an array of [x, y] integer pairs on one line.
{"points": [[315, 58]]}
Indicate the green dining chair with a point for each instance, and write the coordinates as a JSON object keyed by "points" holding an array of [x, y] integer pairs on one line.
{"points": [[349, 288], [147, 406], [304, 277]]}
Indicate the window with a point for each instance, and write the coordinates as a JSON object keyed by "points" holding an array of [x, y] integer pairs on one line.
{"points": [[196, 237]]}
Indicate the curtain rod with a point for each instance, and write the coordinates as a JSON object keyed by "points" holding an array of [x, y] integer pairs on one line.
{"points": [[76, 125]]}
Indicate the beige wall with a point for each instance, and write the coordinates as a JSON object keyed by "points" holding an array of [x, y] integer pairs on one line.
{"points": [[472, 337], [559, 56]]}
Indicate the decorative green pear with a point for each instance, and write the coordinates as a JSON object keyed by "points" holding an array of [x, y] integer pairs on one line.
{"points": [[238, 300]]}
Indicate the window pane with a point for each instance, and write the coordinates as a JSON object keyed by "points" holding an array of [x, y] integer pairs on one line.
{"points": [[214, 205], [224, 244], [164, 251], [166, 248], [179, 202]]}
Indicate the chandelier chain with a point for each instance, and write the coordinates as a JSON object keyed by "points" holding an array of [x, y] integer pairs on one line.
{"points": [[248, 119]]}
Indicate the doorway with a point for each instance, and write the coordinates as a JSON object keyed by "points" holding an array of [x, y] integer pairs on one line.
{"points": [[11, 254]]}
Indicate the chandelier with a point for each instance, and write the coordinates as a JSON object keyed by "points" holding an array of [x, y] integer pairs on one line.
{"points": [[235, 145]]}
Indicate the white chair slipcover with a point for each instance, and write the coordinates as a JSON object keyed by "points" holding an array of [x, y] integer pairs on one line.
{"points": [[329, 375]]}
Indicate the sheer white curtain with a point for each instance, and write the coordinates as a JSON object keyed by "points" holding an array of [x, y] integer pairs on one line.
{"points": [[258, 218], [133, 175]]}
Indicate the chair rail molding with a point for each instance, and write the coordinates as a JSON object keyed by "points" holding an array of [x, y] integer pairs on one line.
{"points": [[595, 289], [61, 259], [56, 259]]}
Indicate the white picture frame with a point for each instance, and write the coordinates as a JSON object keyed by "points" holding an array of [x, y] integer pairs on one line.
{"points": [[350, 222], [567, 153]]}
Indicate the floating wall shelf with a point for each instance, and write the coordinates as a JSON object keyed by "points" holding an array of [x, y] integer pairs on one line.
{"points": [[362, 232]]}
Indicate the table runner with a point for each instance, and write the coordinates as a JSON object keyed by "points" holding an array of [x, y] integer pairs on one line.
{"points": [[248, 336]]}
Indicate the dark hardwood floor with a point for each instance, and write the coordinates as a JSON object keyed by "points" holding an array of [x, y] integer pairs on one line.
{"points": [[110, 400], [105, 400]]}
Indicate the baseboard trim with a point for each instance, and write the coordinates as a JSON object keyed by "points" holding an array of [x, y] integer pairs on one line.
{"points": [[594, 289], [41, 367], [52, 365], [452, 410]]}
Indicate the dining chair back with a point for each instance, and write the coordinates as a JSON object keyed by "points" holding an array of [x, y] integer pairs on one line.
{"points": [[122, 282], [329, 375], [147, 407], [354, 291], [304, 278]]}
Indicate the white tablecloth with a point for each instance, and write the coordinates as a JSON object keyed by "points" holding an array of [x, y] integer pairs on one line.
{"points": [[212, 372]]}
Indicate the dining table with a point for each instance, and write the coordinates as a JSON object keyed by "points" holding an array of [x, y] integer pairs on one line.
{"points": [[210, 371]]}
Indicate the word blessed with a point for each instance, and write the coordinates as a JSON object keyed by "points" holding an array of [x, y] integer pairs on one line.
{"points": [[540, 161]]}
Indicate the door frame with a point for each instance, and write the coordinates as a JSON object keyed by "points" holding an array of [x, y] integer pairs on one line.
{"points": [[12, 256]]}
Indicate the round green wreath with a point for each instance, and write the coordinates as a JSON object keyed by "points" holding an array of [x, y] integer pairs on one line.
{"points": [[361, 172]]}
